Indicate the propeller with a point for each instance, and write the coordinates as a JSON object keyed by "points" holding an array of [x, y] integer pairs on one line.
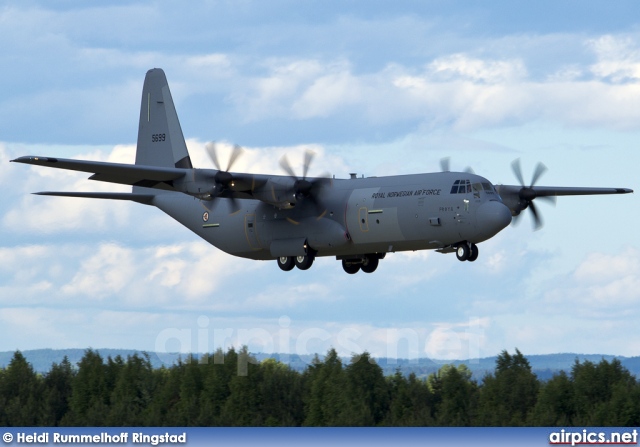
{"points": [[223, 179], [527, 194], [304, 189], [445, 166]]}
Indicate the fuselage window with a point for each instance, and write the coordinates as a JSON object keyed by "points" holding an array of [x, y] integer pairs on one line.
{"points": [[454, 188]]}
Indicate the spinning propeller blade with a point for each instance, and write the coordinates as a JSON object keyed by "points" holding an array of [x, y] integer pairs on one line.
{"points": [[223, 179], [304, 189], [527, 194], [445, 166]]}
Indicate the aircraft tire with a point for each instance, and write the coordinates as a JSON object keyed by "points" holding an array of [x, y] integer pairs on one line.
{"points": [[350, 268], [463, 252], [303, 262], [370, 264], [286, 263], [473, 254]]}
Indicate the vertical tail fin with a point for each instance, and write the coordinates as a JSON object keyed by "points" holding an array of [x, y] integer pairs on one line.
{"points": [[160, 139]]}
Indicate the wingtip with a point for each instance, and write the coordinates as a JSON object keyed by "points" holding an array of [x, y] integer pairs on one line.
{"points": [[34, 159]]}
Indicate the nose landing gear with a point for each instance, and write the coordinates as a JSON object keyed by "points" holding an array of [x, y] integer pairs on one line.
{"points": [[467, 251]]}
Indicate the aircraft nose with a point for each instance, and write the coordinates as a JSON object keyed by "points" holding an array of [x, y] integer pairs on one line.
{"points": [[492, 217]]}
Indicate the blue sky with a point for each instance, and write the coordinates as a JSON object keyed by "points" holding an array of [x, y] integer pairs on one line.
{"points": [[377, 88]]}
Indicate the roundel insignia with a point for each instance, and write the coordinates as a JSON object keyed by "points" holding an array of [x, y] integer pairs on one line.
{"points": [[205, 216]]}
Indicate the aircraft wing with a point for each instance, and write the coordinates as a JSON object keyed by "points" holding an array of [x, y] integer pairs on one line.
{"points": [[234, 185], [126, 174], [553, 191]]}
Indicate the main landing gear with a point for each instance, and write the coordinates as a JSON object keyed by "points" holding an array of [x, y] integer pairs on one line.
{"points": [[467, 251], [366, 263], [287, 263]]}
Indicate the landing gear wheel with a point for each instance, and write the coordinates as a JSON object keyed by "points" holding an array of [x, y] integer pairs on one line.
{"points": [[286, 263], [304, 262], [370, 264], [473, 255], [463, 252], [349, 267]]}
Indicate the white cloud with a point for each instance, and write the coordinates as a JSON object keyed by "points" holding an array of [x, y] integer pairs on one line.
{"points": [[461, 66], [103, 274], [566, 74], [470, 105], [603, 286], [287, 80], [618, 58], [107, 274], [31, 273], [459, 90], [327, 94], [168, 266], [599, 267]]}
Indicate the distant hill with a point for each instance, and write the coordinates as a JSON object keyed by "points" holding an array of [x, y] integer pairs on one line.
{"points": [[545, 366]]}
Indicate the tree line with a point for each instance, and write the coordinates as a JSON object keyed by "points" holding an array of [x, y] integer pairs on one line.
{"points": [[232, 389]]}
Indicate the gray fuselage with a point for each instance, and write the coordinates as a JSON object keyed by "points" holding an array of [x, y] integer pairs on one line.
{"points": [[355, 216]]}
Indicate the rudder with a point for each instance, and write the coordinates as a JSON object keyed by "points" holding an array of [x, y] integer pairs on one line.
{"points": [[160, 139]]}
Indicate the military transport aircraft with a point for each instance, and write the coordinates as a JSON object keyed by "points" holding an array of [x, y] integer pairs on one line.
{"points": [[294, 218]]}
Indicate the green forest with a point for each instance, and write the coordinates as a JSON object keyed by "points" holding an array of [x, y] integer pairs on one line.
{"points": [[233, 389]]}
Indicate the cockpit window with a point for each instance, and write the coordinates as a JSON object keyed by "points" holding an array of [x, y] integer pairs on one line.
{"points": [[461, 187], [477, 189], [488, 187]]}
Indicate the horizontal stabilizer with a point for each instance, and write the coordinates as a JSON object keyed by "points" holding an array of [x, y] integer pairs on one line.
{"points": [[145, 199]]}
